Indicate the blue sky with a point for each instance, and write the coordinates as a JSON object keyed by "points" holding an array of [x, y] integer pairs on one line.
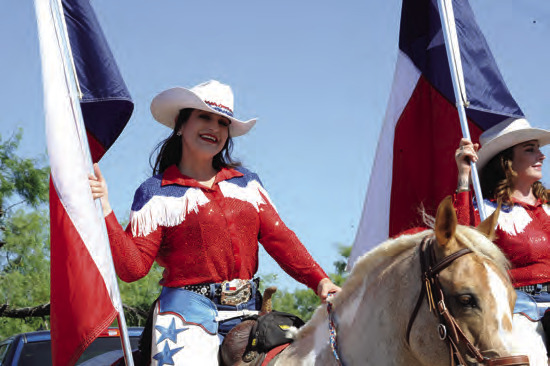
{"points": [[317, 74]]}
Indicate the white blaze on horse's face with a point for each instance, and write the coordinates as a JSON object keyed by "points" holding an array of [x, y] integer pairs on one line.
{"points": [[500, 289], [481, 299]]}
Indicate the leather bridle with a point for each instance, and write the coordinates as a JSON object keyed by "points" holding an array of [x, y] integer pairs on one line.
{"points": [[448, 329]]}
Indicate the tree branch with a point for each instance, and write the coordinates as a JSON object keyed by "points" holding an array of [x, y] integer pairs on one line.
{"points": [[137, 314], [15, 204], [37, 311], [43, 310]]}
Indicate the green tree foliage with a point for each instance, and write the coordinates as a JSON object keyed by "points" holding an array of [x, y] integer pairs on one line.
{"points": [[302, 302], [340, 265], [21, 181], [139, 295], [24, 236]]}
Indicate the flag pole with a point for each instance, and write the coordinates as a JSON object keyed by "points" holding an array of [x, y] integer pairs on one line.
{"points": [[75, 96], [455, 67]]}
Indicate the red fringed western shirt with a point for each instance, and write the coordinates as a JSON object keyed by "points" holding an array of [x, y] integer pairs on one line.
{"points": [[523, 234], [205, 235]]}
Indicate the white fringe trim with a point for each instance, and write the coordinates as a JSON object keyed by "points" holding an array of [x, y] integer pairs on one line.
{"points": [[250, 193], [515, 221], [546, 208], [166, 211]]}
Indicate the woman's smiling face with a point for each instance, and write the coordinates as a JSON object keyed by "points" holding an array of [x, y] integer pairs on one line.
{"points": [[204, 134], [527, 162]]}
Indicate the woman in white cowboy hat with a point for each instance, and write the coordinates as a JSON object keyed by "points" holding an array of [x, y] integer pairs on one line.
{"points": [[510, 169], [200, 217]]}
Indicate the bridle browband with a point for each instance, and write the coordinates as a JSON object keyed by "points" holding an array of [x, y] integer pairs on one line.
{"points": [[448, 329]]}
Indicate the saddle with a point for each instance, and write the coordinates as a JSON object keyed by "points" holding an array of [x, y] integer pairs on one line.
{"points": [[255, 341], [258, 339]]}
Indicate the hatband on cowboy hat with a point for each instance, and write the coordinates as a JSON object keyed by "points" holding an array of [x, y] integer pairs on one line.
{"points": [[211, 96], [508, 133]]}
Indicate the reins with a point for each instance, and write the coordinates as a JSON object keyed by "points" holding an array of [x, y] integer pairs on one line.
{"points": [[448, 329]]}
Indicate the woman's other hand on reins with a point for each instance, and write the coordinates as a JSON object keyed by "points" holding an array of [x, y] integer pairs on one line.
{"points": [[325, 287], [466, 153], [98, 186]]}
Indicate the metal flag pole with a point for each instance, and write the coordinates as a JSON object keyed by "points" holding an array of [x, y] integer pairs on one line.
{"points": [[457, 76], [75, 96]]}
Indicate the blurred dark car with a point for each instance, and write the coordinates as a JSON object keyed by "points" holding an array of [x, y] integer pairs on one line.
{"points": [[34, 348]]}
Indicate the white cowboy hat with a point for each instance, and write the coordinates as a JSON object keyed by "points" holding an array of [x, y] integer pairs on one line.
{"points": [[211, 96], [505, 134]]}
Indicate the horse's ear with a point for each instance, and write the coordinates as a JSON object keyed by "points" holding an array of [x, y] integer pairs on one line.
{"points": [[445, 221], [488, 225]]}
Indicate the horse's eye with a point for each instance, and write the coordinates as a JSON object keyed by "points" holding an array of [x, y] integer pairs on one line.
{"points": [[466, 301]]}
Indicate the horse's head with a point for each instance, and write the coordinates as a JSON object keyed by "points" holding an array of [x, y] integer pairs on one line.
{"points": [[380, 317], [472, 292]]}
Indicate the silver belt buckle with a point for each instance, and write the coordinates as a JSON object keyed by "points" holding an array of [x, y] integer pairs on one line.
{"points": [[235, 292]]}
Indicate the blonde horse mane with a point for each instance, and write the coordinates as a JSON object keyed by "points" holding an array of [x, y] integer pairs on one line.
{"points": [[392, 248]]}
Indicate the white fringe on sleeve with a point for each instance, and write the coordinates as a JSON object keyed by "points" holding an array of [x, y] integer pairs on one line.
{"points": [[165, 211], [515, 221], [250, 193]]}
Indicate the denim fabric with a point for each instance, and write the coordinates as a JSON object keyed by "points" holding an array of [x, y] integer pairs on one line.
{"points": [[192, 307], [532, 305], [198, 309]]}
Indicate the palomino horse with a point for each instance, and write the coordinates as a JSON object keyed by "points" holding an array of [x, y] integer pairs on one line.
{"points": [[383, 317]]}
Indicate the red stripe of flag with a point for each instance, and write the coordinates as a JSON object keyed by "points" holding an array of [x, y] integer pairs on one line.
{"points": [[84, 292], [81, 305]]}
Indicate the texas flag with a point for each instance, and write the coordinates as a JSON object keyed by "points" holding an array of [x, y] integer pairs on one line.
{"points": [[414, 164], [84, 293]]}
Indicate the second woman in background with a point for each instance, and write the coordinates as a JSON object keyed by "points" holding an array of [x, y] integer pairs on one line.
{"points": [[510, 165]]}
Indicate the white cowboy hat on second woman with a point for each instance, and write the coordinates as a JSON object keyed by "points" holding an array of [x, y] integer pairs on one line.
{"points": [[211, 96], [505, 134]]}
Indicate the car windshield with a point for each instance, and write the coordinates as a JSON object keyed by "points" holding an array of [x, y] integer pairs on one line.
{"points": [[3, 350], [103, 345], [39, 353]]}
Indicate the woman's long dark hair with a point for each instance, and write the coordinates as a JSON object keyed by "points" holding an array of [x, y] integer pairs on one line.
{"points": [[496, 179], [170, 150]]}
